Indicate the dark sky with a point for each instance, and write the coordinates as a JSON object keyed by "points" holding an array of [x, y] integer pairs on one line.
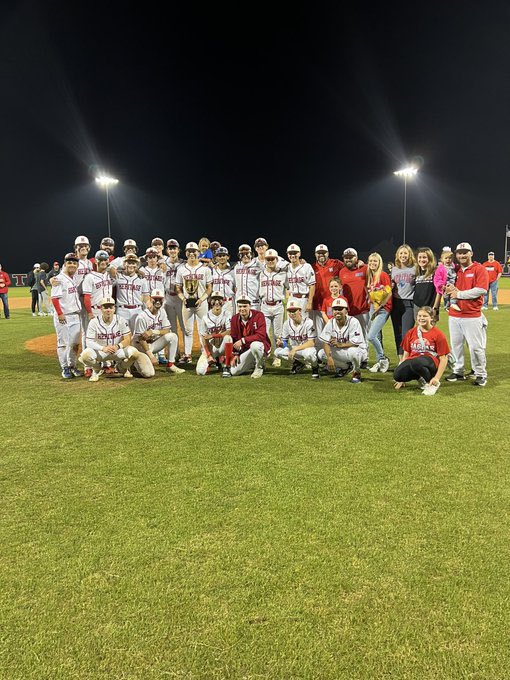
{"points": [[279, 120]]}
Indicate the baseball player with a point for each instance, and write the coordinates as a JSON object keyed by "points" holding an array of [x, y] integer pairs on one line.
{"points": [[66, 301], [297, 341], [158, 245], [343, 342], [325, 268], [193, 286], [273, 285], [246, 275], [354, 281], [469, 324], [251, 344], [215, 336], [152, 335], [173, 305], [152, 271], [85, 266], [97, 285], [223, 278], [132, 291], [300, 280], [128, 248], [108, 338]]}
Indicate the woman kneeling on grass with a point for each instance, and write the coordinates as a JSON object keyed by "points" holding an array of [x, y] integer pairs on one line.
{"points": [[425, 354]]}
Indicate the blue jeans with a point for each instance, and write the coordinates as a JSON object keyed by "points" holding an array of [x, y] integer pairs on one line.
{"points": [[493, 290], [6, 304], [374, 331]]}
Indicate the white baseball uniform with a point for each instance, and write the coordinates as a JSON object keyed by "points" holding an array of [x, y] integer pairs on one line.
{"points": [[299, 280], [147, 321], [295, 334], [223, 281], [350, 332], [211, 324], [155, 277], [173, 304], [247, 282], [272, 286], [98, 286], [66, 292], [101, 334], [130, 293], [201, 274]]}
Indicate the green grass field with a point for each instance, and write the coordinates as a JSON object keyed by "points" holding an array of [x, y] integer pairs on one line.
{"points": [[191, 527]]}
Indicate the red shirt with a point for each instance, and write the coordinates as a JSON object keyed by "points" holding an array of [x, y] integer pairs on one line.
{"points": [[354, 289], [326, 305], [379, 287], [5, 281], [323, 275], [251, 331], [474, 276], [494, 269], [435, 344]]}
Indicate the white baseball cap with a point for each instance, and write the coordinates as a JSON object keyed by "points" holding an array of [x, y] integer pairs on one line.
{"points": [[340, 302], [107, 301], [293, 304], [351, 252], [260, 241], [157, 241], [322, 248], [36, 266], [244, 246], [129, 242], [191, 246], [271, 253], [217, 294], [293, 248], [157, 293], [463, 246], [243, 300], [81, 241]]}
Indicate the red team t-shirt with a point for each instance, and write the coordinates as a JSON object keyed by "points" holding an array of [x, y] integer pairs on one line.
{"points": [[474, 276], [493, 268], [323, 275], [354, 290], [435, 342]]}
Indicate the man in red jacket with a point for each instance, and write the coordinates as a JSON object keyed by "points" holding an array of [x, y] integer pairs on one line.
{"points": [[250, 342], [5, 282]]}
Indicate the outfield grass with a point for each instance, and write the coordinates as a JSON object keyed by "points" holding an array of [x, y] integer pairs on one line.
{"points": [[191, 527]]}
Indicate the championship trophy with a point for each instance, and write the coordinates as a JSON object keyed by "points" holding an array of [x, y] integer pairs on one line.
{"points": [[191, 287]]}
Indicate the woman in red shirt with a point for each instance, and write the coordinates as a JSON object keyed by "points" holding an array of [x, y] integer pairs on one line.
{"points": [[425, 354]]}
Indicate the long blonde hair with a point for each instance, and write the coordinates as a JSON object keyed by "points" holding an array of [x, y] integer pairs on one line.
{"points": [[411, 262], [373, 277], [431, 265]]}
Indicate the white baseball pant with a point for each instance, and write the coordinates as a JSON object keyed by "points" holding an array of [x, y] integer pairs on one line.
{"points": [[145, 368], [343, 357], [303, 355], [474, 333], [68, 339], [173, 309], [130, 316], [274, 320], [249, 360], [188, 316], [92, 358]]}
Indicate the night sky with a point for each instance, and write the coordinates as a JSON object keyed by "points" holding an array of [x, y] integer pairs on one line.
{"points": [[279, 120]]}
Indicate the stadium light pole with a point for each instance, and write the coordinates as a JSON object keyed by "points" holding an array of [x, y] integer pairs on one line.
{"points": [[105, 182], [407, 173]]}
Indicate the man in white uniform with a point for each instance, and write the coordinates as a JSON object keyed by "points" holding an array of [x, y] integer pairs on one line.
{"points": [[152, 271], [300, 280], [152, 335], [247, 274], [343, 342], [223, 278], [129, 248], [66, 316], [97, 285], [215, 336], [297, 341], [193, 286], [173, 305], [108, 338], [273, 284], [132, 291]]}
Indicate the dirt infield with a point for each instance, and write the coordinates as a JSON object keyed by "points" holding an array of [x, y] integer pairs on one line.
{"points": [[46, 345], [19, 303]]}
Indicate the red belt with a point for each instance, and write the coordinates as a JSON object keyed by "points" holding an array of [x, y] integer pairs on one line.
{"points": [[272, 304], [299, 295], [130, 306], [172, 293]]}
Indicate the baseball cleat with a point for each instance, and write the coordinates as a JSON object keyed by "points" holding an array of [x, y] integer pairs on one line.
{"points": [[297, 367], [456, 377], [94, 376], [340, 372], [174, 369], [66, 373], [364, 364], [480, 382], [127, 373], [226, 372], [315, 373], [422, 383], [162, 361], [356, 378], [257, 373], [76, 372]]}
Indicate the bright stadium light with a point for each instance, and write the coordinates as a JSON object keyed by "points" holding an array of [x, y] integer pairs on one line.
{"points": [[406, 173], [106, 182]]}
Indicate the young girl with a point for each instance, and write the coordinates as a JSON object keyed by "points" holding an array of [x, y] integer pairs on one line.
{"points": [[425, 294], [379, 293], [206, 254], [425, 354], [335, 291], [403, 275], [446, 273]]}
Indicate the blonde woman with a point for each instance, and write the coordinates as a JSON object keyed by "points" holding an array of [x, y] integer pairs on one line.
{"points": [[403, 277], [379, 293], [425, 294]]}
